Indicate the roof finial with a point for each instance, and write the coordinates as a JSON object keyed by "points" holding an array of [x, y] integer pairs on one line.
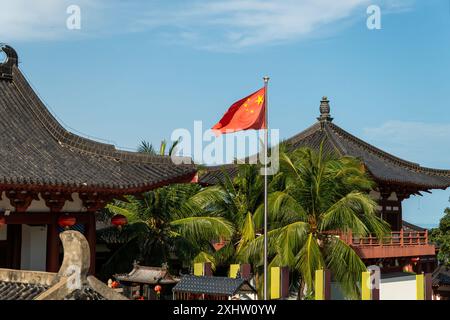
{"points": [[325, 110], [11, 59]]}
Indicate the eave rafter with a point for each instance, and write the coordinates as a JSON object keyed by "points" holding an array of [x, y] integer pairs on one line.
{"points": [[22, 199], [56, 200]]}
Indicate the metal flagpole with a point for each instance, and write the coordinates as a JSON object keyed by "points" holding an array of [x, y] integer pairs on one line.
{"points": [[266, 143]]}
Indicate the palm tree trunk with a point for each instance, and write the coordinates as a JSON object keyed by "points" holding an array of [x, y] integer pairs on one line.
{"points": [[301, 289]]}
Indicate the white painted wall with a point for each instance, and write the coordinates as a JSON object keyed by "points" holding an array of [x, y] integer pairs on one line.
{"points": [[34, 248], [400, 288]]}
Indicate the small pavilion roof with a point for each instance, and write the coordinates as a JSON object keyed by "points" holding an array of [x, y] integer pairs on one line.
{"points": [[147, 275], [213, 285], [441, 276], [384, 167], [38, 153]]}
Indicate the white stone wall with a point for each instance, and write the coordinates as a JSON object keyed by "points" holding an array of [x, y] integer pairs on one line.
{"points": [[400, 288]]}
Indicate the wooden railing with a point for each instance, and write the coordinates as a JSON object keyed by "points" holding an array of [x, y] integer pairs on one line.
{"points": [[396, 239]]}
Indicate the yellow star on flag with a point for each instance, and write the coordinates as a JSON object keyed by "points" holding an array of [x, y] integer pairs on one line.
{"points": [[260, 100]]}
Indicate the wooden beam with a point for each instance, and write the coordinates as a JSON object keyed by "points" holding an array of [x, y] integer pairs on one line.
{"points": [[37, 218], [53, 244], [90, 233]]}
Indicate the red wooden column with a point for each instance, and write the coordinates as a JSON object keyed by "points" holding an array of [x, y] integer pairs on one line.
{"points": [[53, 244], [91, 237]]}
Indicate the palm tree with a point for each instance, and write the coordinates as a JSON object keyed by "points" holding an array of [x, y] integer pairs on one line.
{"points": [[236, 199], [147, 147], [163, 225], [318, 197]]}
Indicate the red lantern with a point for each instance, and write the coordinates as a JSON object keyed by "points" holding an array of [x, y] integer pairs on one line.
{"points": [[119, 220], [157, 288], [66, 221], [2, 221], [415, 260]]}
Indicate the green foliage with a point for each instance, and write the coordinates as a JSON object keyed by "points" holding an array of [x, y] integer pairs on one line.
{"points": [[163, 225], [313, 197], [235, 200], [441, 237]]}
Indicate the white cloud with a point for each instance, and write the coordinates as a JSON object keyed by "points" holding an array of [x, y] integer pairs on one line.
{"points": [[216, 25], [234, 24], [24, 20], [425, 143]]}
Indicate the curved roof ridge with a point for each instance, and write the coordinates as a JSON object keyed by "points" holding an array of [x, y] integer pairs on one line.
{"points": [[71, 140], [304, 134], [388, 156]]}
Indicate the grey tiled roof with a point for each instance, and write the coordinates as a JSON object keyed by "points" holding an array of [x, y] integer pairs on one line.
{"points": [[148, 275], [441, 276], [212, 285], [383, 166], [20, 291], [86, 293], [213, 174], [37, 151], [411, 227]]}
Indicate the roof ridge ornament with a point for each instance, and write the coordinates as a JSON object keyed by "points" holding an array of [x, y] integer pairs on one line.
{"points": [[325, 110], [11, 60]]}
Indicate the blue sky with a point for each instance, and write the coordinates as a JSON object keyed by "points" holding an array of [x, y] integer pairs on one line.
{"points": [[138, 70]]}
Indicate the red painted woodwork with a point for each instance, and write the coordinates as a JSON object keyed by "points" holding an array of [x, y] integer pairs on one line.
{"points": [[53, 243], [396, 244], [40, 217], [56, 200], [90, 234], [21, 199]]}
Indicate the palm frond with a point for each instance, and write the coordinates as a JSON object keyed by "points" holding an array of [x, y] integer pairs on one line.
{"points": [[247, 233], [309, 260], [290, 241], [205, 257], [203, 228], [345, 214], [129, 214], [345, 265]]}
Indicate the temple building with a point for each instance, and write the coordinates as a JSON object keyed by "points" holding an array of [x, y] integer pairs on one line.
{"points": [[51, 178], [396, 180]]}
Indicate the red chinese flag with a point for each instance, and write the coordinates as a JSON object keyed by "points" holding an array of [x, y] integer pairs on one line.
{"points": [[245, 114]]}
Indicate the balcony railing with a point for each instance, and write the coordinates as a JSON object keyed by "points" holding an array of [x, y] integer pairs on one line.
{"points": [[394, 239], [395, 244]]}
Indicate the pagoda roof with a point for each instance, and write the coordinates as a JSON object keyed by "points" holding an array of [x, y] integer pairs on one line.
{"points": [[39, 153], [147, 275], [384, 167]]}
